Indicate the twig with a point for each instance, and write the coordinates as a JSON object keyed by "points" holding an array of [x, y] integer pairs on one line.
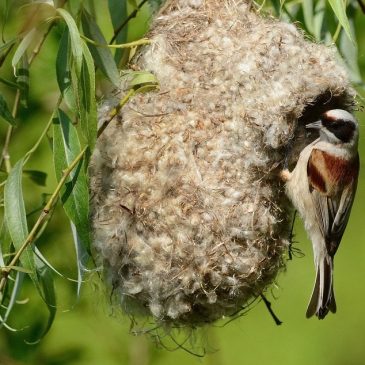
{"points": [[273, 315], [115, 111], [40, 44], [136, 43], [5, 157], [49, 206], [132, 15], [44, 132]]}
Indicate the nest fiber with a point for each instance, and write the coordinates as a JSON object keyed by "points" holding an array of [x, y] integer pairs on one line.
{"points": [[189, 216]]}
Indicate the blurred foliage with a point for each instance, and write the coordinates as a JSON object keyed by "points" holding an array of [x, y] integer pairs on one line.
{"points": [[55, 65]]}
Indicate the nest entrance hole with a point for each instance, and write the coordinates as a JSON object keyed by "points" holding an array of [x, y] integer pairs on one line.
{"points": [[324, 102]]}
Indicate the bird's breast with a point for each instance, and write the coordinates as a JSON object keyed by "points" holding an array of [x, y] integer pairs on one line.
{"points": [[329, 173]]}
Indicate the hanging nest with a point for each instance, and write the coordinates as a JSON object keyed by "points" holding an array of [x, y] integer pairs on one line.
{"points": [[190, 219]]}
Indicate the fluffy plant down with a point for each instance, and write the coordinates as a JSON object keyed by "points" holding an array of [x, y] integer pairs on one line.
{"points": [[190, 219]]}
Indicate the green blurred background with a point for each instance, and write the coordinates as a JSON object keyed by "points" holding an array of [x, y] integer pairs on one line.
{"points": [[91, 332]]}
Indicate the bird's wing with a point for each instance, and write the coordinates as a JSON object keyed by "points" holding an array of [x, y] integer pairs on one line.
{"points": [[332, 205]]}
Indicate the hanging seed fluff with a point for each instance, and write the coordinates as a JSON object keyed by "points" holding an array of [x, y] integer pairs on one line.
{"points": [[190, 219]]}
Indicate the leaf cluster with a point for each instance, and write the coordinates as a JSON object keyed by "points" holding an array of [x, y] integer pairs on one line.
{"points": [[71, 130]]}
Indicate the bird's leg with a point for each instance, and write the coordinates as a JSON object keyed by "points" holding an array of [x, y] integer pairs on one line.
{"points": [[285, 174]]}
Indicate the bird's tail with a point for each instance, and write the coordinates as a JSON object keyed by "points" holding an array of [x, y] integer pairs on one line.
{"points": [[323, 298]]}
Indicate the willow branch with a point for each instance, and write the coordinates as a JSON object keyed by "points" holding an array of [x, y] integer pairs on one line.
{"points": [[136, 43], [53, 199], [132, 15], [116, 110], [42, 217]]}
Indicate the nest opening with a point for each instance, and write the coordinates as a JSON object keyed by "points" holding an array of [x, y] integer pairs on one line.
{"points": [[324, 102], [312, 111]]}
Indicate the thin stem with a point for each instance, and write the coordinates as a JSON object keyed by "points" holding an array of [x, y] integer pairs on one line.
{"points": [[44, 132], [139, 42], [116, 110], [273, 315], [132, 15], [337, 33], [5, 156], [40, 44]]}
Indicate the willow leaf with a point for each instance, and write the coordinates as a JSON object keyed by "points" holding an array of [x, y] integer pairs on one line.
{"points": [[76, 43], [63, 70], [74, 195], [47, 291], [118, 14], [15, 216], [5, 112], [102, 55], [88, 114], [23, 46], [339, 8]]}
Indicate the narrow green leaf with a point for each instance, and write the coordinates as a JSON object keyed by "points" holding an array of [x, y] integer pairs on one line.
{"points": [[15, 216], [15, 290], [76, 43], [38, 177], [339, 8], [23, 46], [118, 14], [277, 7], [308, 15], [5, 243], [349, 51], [22, 80], [82, 257], [142, 80], [319, 12], [16, 268], [47, 291], [63, 70], [102, 55], [5, 112], [88, 115], [9, 83], [76, 91], [7, 44], [75, 194], [49, 265]]}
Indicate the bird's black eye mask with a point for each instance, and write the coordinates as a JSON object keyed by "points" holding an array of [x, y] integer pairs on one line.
{"points": [[342, 129]]}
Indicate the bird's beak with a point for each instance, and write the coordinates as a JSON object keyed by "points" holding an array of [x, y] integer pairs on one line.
{"points": [[315, 125]]}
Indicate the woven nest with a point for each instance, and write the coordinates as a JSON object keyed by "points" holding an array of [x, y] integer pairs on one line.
{"points": [[190, 218]]}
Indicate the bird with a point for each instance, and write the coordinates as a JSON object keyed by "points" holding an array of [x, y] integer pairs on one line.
{"points": [[322, 188]]}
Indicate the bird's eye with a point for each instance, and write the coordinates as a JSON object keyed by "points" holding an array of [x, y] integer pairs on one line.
{"points": [[335, 126], [343, 130]]}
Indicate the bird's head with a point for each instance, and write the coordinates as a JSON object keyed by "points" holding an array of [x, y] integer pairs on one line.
{"points": [[337, 126]]}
